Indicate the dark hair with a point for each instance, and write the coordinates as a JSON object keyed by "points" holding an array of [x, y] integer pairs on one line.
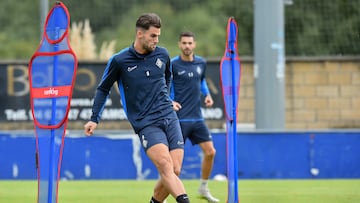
{"points": [[146, 20], [186, 34]]}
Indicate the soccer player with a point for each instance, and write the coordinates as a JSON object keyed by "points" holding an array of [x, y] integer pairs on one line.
{"points": [[188, 71], [142, 73]]}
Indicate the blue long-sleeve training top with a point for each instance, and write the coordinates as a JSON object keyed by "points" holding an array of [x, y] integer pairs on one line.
{"points": [[143, 82], [187, 84]]}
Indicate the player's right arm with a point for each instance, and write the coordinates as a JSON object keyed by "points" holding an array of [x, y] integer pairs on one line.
{"points": [[98, 106], [102, 92]]}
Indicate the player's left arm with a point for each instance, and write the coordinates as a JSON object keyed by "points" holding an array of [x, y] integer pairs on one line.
{"points": [[205, 91], [176, 105], [168, 74]]}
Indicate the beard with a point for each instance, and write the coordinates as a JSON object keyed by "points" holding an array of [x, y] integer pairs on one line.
{"points": [[149, 48], [187, 52]]}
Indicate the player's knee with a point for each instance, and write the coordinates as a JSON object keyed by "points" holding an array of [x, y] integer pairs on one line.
{"points": [[177, 170], [163, 164], [210, 153]]}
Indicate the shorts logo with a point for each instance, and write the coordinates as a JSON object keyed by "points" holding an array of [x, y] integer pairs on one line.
{"points": [[144, 142], [180, 143]]}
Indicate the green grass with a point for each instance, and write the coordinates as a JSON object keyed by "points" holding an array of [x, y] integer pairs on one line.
{"points": [[250, 191]]}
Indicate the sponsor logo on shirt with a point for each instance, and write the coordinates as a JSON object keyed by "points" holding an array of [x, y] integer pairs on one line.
{"points": [[181, 72], [129, 69]]}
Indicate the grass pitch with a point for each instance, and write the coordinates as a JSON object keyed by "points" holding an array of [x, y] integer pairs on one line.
{"points": [[250, 191]]}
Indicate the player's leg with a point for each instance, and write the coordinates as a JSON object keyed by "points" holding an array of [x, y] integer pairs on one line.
{"points": [[208, 159], [201, 135], [160, 192], [206, 168], [176, 147], [161, 158]]}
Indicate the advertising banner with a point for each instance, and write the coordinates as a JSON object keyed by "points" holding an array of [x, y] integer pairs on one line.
{"points": [[15, 103]]}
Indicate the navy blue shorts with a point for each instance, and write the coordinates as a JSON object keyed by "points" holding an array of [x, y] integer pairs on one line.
{"points": [[166, 131], [196, 131]]}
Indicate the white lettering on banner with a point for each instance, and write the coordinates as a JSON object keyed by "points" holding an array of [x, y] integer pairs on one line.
{"points": [[212, 113], [108, 102], [88, 102], [47, 114], [38, 115], [30, 115], [16, 115], [49, 102], [107, 114], [85, 114], [81, 102], [73, 114], [113, 114]]}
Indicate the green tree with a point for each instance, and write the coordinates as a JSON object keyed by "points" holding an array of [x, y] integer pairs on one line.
{"points": [[243, 12], [20, 29], [312, 28], [323, 28]]}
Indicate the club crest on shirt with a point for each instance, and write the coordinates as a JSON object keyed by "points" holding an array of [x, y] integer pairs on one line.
{"points": [[198, 70], [159, 63]]}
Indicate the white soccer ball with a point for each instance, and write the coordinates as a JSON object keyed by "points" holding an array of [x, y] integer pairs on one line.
{"points": [[314, 171], [220, 177]]}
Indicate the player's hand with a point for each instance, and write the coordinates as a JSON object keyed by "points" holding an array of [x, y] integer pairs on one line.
{"points": [[208, 101], [176, 106], [89, 128]]}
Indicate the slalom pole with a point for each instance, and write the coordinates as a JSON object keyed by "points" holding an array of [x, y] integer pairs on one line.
{"points": [[52, 72], [230, 72]]}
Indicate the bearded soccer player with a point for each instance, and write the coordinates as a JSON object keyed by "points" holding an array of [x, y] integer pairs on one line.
{"points": [[188, 83], [142, 73]]}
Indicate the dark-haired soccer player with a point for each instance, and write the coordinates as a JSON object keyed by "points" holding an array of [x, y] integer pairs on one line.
{"points": [[142, 73], [187, 85]]}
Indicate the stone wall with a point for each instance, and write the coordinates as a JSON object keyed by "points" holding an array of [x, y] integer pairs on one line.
{"points": [[320, 93]]}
